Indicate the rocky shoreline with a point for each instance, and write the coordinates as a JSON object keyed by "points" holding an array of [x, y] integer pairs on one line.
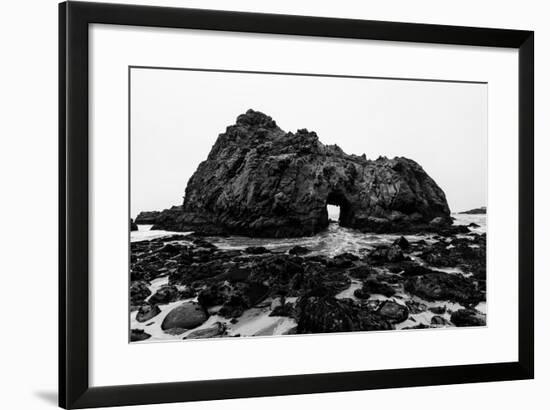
{"points": [[186, 287], [476, 211]]}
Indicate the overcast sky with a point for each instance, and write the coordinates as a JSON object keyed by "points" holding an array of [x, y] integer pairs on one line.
{"points": [[176, 117]]}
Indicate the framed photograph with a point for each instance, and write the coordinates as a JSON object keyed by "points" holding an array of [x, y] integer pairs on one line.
{"points": [[256, 204]]}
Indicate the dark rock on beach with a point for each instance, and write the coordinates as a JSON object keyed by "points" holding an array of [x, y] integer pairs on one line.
{"points": [[133, 225], [187, 293], [256, 250], [215, 294], [381, 288], [171, 249], [298, 250], [348, 256], [139, 291], [393, 312], [235, 299], [383, 254], [259, 180], [361, 294], [325, 315], [147, 312], [253, 293], [137, 335], [469, 254], [165, 294], [218, 330], [362, 271], [443, 286], [284, 309], [416, 307], [438, 321], [438, 310], [318, 280], [185, 316], [468, 317], [369, 321], [234, 307], [402, 242]]}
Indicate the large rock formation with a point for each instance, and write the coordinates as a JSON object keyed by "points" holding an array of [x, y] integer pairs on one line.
{"points": [[259, 180]]}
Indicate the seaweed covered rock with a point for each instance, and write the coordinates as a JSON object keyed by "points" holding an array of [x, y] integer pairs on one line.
{"points": [[326, 314], [139, 291], [372, 285], [383, 254], [259, 180], [165, 294], [444, 286], [234, 298], [147, 312], [362, 271]]}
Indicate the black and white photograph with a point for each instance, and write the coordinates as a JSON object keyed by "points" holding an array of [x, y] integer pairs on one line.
{"points": [[275, 204], [268, 204]]}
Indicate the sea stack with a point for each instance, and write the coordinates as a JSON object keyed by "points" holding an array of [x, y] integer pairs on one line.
{"points": [[261, 181]]}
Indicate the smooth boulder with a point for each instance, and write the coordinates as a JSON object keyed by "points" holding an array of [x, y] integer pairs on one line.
{"points": [[185, 316]]}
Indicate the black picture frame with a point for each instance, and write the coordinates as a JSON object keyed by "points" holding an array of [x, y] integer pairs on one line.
{"points": [[74, 387]]}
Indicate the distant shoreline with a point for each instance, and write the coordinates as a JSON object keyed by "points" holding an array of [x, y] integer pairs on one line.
{"points": [[476, 211]]}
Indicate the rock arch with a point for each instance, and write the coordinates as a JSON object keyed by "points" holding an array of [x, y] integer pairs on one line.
{"points": [[261, 181]]}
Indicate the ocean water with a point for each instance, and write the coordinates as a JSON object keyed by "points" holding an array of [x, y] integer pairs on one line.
{"points": [[331, 242]]}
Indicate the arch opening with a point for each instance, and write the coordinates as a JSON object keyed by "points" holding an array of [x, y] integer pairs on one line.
{"points": [[338, 208], [333, 213]]}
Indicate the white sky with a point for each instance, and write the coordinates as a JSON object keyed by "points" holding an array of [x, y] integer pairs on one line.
{"points": [[177, 115]]}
